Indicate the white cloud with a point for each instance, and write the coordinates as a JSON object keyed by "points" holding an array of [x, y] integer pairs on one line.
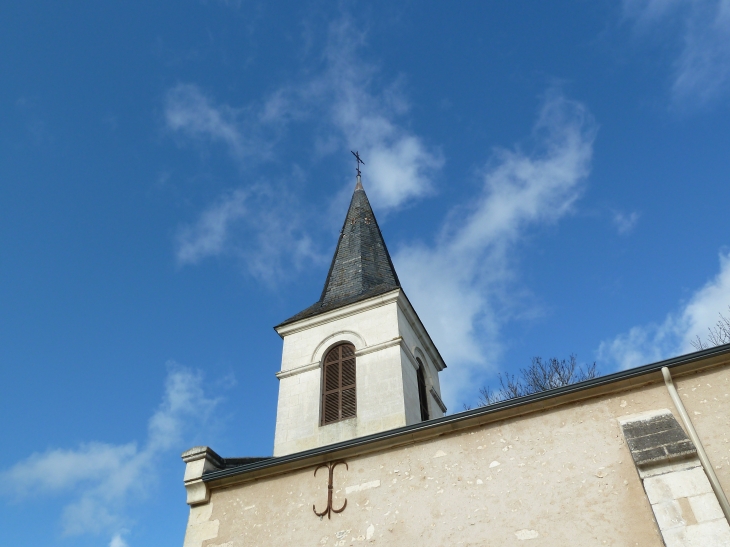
{"points": [[625, 223], [648, 11], [262, 226], [208, 236], [399, 165], [702, 67], [458, 283], [353, 113], [102, 477], [189, 111], [343, 112], [62, 469], [117, 541], [653, 342], [262, 223]]}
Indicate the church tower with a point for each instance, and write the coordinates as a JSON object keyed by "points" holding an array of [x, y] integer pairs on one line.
{"points": [[359, 361]]}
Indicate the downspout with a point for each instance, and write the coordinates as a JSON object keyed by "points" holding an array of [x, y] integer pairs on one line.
{"points": [[704, 460]]}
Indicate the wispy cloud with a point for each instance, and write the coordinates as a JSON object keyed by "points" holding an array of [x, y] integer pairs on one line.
{"points": [[341, 107], [118, 541], [208, 236], [702, 29], [262, 226], [458, 283], [400, 166], [102, 477], [625, 223], [645, 344], [189, 112]]}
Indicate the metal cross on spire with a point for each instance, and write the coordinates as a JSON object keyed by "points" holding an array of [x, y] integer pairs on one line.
{"points": [[359, 161]]}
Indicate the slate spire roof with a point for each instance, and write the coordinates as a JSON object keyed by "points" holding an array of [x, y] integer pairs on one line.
{"points": [[361, 267]]}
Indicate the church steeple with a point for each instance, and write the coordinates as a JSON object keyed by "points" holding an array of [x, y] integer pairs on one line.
{"points": [[361, 266], [359, 360]]}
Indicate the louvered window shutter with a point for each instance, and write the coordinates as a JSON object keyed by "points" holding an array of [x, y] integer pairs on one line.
{"points": [[423, 401], [339, 400]]}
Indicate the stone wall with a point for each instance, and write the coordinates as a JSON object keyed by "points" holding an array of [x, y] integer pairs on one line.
{"points": [[562, 476]]}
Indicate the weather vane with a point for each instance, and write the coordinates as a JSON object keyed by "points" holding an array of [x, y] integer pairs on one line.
{"points": [[359, 161]]}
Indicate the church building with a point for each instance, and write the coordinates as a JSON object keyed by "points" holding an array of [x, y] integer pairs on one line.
{"points": [[365, 453]]}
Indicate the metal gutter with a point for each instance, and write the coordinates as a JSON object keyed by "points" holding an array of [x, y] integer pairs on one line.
{"points": [[453, 422]]}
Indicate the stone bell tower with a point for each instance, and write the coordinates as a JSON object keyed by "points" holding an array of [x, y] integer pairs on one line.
{"points": [[359, 361]]}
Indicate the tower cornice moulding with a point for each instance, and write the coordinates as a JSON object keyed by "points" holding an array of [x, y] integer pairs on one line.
{"points": [[364, 351], [339, 313]]}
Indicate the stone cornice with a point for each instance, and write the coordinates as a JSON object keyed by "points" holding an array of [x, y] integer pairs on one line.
{"points": [[199, 460], [298, 370], [339, 313], [364, 351], [378, 347]]}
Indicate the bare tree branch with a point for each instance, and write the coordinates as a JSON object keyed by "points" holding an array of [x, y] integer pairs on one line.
{"points": [[541, 375], [717, 335]]}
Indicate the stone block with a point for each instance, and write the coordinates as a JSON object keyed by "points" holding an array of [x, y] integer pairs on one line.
{"points": [[680, 484], [656, 438], [706, 507], [707, 534], [668, 515]]}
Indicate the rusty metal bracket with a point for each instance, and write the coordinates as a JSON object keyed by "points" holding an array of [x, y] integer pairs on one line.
{"points": [[331, 466]]}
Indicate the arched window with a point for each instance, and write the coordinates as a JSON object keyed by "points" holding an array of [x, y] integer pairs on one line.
{"points": [[422, 391], [339, 400]]}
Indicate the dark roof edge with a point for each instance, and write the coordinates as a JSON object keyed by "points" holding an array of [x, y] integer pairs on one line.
{"points": [[481, 411], [385, 246], [334, 256]]}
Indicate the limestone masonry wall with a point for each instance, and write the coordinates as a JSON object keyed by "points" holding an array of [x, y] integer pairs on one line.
{"points": [[559, 477]]}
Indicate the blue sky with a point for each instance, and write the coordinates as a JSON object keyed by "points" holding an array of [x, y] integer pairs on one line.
{"points": [[550, 178]]}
